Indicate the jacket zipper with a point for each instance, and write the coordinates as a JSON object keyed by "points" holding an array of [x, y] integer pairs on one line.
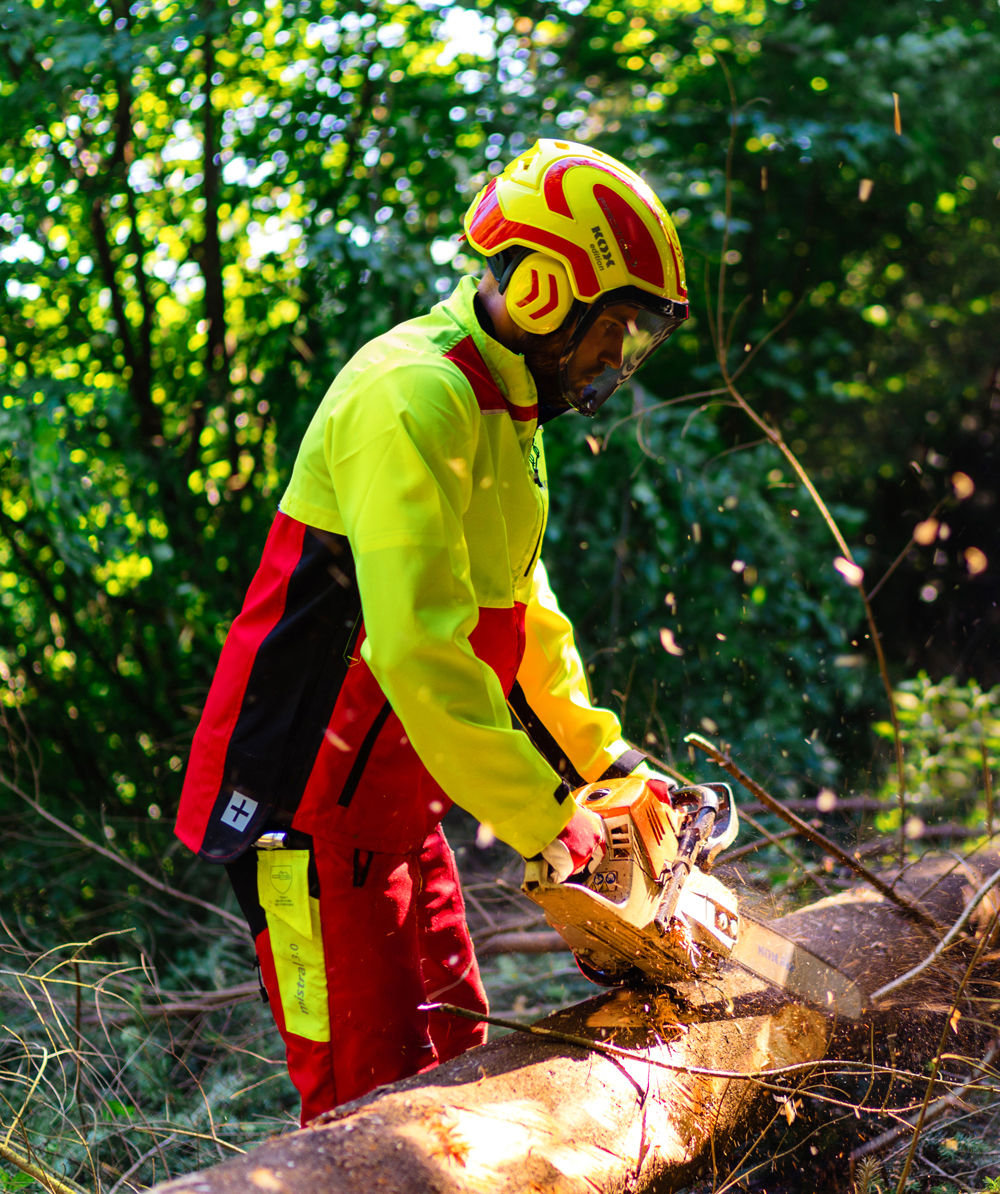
{"points": [[534, 553]]}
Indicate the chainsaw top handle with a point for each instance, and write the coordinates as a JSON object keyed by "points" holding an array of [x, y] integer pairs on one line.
{"points": [[710, 808]]}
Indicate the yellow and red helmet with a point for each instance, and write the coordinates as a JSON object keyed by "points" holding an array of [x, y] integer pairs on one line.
{"points": [[569, 231]]}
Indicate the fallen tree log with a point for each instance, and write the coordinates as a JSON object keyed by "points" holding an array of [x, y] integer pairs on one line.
{"points": [[706, 1062]]}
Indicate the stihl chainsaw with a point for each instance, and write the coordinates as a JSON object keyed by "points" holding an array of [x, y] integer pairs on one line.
{"points": [[651, 911]]}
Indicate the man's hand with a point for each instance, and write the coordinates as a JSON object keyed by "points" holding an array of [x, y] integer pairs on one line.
{"points": [[662, 785], [579, 847]]}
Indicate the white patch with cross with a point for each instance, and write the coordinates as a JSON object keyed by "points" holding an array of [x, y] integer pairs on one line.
{"points": [[241, 808]]}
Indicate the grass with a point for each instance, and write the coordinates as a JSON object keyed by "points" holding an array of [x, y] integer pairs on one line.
{"points": [[101, 1092]]}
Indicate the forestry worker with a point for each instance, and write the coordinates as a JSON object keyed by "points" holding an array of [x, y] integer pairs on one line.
{"points": [[400, 648]]}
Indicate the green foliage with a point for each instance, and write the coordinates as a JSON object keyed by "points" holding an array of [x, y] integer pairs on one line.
{"points": [[951, 736], [15, 1181], [207, 209]]}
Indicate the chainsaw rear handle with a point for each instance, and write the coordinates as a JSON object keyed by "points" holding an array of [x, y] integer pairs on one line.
{"points": [[701, 801]]}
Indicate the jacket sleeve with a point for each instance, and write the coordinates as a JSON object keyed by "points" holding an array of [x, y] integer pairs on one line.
{"points": [[400, 451], [552, 699]]}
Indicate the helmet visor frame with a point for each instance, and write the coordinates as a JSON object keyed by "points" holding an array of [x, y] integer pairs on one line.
{"points": [[656, 319]]}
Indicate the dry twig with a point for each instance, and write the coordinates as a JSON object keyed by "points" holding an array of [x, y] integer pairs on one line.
{"points": [[943, 944], [813, 835]]}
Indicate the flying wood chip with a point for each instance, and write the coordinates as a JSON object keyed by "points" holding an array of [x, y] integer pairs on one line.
{"points": [[926, 532], [963, 485], [849, 571], [669, 643], [976, 561]]}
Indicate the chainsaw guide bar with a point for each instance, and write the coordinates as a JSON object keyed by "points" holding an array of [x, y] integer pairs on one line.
{"points": [[649, 911]]}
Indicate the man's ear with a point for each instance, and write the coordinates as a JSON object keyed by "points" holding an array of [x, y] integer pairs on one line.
{"points": [[504, 329]]}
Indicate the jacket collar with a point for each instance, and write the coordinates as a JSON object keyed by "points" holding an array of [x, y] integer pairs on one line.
{"points": [[508, 368]]}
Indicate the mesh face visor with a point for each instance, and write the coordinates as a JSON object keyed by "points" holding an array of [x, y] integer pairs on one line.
{"points": [[650, 322]]}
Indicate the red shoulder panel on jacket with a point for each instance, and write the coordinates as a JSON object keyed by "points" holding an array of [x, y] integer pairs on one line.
{"points": [[467, 357]]}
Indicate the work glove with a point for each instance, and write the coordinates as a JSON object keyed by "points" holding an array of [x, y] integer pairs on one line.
{"points": [[578, 849], [662, 785]]}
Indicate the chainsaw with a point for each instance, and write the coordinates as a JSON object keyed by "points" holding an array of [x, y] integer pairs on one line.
{"points": [[650, 911]]}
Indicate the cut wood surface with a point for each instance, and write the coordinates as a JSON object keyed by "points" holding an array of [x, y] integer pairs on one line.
{"points": [[523, 1114]]}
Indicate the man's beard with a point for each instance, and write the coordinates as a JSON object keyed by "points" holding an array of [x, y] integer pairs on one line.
{"points": [[543, 356]]}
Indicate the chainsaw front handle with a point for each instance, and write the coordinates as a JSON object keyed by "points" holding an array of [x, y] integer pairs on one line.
{"points": [[701, 797]]}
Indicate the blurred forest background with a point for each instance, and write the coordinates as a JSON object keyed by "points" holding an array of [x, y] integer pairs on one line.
{"points": [[206, 208]]}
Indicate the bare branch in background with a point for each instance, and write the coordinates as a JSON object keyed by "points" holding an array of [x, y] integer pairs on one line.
{"points": [[17, 744], [721, 340], [813, 835]]}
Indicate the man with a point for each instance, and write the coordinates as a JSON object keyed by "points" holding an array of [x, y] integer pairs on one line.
{"points": [[400, 647]]}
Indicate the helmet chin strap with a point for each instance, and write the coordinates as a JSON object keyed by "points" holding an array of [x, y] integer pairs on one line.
{"points": [[503, 264], [551, 400]]}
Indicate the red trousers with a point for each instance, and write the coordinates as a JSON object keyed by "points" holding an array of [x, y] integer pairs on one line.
{"points": [[394, 937]]}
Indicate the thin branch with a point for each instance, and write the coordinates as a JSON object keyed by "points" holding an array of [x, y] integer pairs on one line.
{"points": [[721, 341], [642, 412], [783, 322], [902, 555], [776, 438], [751, 847], [732, 324], [145, 1157], [754, 443], [700, 411], [165, 888], [945, 941], [48, 1181], [812, 835], [845, 1068], [777, 842]]}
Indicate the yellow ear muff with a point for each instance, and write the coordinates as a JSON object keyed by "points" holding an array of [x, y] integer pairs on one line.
{"points": [[539, 296]]}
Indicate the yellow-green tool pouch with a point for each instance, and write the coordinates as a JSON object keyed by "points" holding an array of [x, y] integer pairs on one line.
{"points": [[278, 890], [296, 940]]}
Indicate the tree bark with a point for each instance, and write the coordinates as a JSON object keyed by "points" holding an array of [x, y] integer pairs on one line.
{"points": [[523, 1114], [208, 254]]}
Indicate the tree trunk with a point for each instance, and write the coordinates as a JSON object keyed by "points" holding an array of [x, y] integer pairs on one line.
{"points": [[522, 1114]]}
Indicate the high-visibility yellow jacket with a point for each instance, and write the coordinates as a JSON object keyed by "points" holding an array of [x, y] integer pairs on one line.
{"points": [[400, 616]]}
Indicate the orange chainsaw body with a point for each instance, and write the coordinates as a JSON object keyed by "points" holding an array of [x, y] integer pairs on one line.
{"points": [[608, 918]]}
